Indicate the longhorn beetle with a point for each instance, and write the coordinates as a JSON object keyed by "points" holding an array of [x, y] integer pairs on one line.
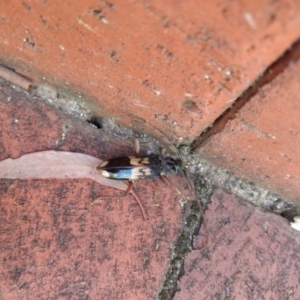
{"points": [[130, 168]]}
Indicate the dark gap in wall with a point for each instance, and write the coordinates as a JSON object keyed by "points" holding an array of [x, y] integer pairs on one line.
{"points": [[96, 121]]}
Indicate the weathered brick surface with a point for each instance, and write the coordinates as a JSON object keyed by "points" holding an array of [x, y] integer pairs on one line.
{"points": [[54, 244], [251, 254], [172, 69], [262, 142], [171, 66]]}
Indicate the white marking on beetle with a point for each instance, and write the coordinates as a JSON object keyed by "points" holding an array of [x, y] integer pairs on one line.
{"points": [[104, 173], [296, 224], [135, 161], [103, 164]]}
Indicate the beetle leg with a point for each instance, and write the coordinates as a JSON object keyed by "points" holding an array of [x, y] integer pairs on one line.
{"points": [[139, 203], [191, 187], [201, 209], [162, 152], [136, 146], [165, 179], [128, 191]]}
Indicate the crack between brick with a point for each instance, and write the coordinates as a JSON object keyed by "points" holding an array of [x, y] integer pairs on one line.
{"points": [[184, 244], [275, 69]]}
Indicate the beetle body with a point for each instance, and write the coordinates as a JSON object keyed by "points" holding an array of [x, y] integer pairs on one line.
{"points": [[130, 168]]}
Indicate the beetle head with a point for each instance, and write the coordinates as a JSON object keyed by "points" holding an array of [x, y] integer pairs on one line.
{"points": [[170, 166]]}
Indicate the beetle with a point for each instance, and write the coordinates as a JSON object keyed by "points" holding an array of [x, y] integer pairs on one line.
{"points": [[130, 168]]}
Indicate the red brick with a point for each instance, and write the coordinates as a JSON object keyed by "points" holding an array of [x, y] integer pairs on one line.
{"points": [[174, 67], [54, 244], [251, 254], [262, 142]]}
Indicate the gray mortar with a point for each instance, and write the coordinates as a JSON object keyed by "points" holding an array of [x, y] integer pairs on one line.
{"points": [[240, 187], [75, 106], [184, 243]]}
